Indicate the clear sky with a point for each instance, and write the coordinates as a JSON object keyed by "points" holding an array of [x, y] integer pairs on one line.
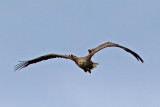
{"points": [[31, 28]]}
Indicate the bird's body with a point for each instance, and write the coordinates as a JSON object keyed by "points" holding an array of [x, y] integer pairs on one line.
{"points": [[84, 63]]}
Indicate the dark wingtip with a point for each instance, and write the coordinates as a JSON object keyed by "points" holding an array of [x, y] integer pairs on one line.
{"points": [[21, 65], [139, 58], [134, 54]]}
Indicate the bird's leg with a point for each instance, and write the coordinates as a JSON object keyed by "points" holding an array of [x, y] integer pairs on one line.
{"points": [[89, 70], [85, 70]]}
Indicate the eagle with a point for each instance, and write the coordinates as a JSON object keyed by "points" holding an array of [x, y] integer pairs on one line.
{"points": [[84, 63]]}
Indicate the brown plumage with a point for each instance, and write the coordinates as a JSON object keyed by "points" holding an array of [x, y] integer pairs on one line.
{"points": [[84, 63]]}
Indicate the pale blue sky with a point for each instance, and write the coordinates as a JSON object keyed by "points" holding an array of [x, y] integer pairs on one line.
{"points": [[31, 28]]}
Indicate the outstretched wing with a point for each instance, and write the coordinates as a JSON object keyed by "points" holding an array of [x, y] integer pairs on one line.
{"points": [[110, 44], [24, 64]]}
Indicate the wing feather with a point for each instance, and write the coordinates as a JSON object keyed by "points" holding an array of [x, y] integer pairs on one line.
{"points": [[24, 64], [110, 44]]}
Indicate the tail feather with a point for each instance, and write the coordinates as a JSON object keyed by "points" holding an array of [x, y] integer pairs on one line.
{"points": [[94, 65]]}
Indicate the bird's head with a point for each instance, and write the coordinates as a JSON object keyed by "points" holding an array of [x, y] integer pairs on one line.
{"points": [[81, 63]]}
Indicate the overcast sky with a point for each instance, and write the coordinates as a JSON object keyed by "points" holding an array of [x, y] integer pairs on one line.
{"points": [[31, 28]]}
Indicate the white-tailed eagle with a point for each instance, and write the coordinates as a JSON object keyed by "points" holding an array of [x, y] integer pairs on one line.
{"points": [[84, 63]]}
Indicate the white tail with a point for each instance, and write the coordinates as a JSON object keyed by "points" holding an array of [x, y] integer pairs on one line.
{"points": [[94, 65]]}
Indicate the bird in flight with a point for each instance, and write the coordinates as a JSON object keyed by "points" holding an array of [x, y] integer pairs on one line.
{"points": [[84, 63]]}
